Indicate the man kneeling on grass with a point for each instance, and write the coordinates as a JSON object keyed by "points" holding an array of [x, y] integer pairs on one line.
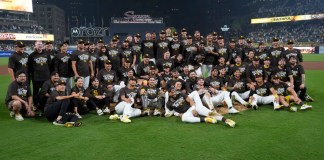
{"points": [[19, 98], [189, 107], [57, 105]]}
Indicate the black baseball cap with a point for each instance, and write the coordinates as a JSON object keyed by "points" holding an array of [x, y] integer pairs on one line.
{"points": [[258, 75], [275, 39], [220, 37], [249, 40], [175, 34], [108, 62], [256, 58], [276, 77], [48, 42], [100, 41], [189, 37], [127, 60], [214, 33], [146, 56], [290, 41], [20, 44], [166, 66], [241, 37], [54, 73], [152, 68], [232, 40], [162, 32], [60, 82], [183, 30], [267, 59], [137, 35], [80, 41]]}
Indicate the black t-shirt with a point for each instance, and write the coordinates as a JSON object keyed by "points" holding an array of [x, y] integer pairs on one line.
{"points": [[22, 90], [94, 59], [106, 77], [62, 65], [294, 52], [18, 61], [39, 66], [190, 85], [92, 91], [196, 58], [136, 48], [222, 52], [269, 71], [262, 55], [283, 73], [148, 48], [114, 54], [82, 60], [239, 83], [175, 48], [143, 69], [242, 67], [166, 77], [275, 54], [161, 62], [52, 98], [297, 72], [48, 87], [263, 90], [102, 59], [232, 52], [128, 53], [281, 88], [210, 58], [77, 89], [178, 102], [186, 51], [253, 70], [122, 73], [128, 93], [161, 46]]}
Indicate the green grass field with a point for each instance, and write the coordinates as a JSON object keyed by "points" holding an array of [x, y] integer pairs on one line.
{"points": [[262, 134]]}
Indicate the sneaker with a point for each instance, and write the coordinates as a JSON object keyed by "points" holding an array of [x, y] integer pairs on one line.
{"points": [[210, 120], [19, 117], [78, 115], [157, 112], [293, 109], [106, 110], [230, 122], [278, 107], [77, 124], [12, 113], [309, 98], [255, 107], [72, 124], [125, 119], [114, 117], [168, 114], [99, 112], [58, 123], [232, 110], [305, 106], [146, 112]]}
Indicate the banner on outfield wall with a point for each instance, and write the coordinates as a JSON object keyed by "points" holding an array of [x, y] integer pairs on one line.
{"points": [[321, 50], [305, 50], [26, 37], [287, 18]]}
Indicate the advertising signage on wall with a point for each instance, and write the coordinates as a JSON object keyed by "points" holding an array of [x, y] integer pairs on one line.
{"points": [[287, 18], [131, 17], [26, 37], [89, 32]]}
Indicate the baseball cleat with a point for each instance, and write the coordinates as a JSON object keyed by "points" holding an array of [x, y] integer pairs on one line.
{"points": [[210, 120], [125, 119], [305, 106], [293, 109], [309, 98], [255, 107], [106, 110], [168, 114], [232, 110], [230, 122], [247, 105], [114, 117], [157, 112], [278, 107], [99, 112], [19, 117], [78, 115], [12, 114], [146, 112]]}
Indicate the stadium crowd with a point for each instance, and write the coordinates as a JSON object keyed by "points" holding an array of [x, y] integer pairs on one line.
{"points": [[172, 74]]}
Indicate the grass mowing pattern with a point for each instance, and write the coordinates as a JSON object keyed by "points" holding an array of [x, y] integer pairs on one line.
{"points": [[262, 134]]}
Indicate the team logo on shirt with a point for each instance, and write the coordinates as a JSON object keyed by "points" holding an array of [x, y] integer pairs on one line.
{"points": [[215, 84], [222, 51], [291, 54], [127, 53], [113, 53], [40, 60], [65, 59], [22, 92], [84, 57], [131, 95], [263, 56], [108, 77], [146, 69], [294, 72], [209, 48], [175, 46], [276, 53], [280, 91], [95, 92], [148, 44], [136, 48], [151, 91], [188, 49], [261, 91], [178, 102], [282, 74], [239, 84], [163, 44], [257, 72], [103, 58], [93, 58], [23, 61]]}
